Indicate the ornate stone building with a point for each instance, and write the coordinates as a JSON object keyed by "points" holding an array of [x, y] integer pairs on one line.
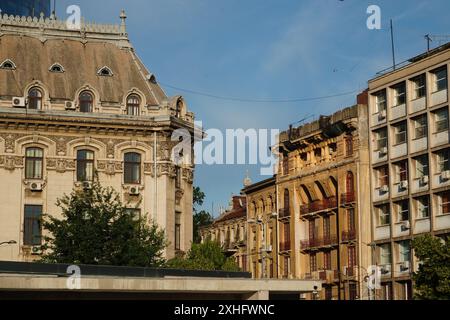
{"points": [[230, 230], [312, 218], [73, 102]]}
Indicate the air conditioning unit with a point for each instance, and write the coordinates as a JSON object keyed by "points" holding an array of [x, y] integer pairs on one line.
{"points": [[405, 226], [384, 188], [403, 184], [133, 191], [423, 180], [87, 185], [18, 102], [36, 250], [385, 269], [404, 266], [445, 175], [269, 248], [36, 186], [70, 105], [382, 115], [383, 150]]}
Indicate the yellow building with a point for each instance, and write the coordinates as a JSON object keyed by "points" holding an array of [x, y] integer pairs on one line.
{"points": [[77, 101], [229, 229], [312, 218], [410, 168]]}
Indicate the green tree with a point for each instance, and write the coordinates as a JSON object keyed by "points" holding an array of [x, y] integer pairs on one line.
{"points": [[200, 218], [96, 228], [205, 256], [432, 281]]}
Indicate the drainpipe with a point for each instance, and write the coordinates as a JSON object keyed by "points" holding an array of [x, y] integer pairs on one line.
{"points": [[338, 240], [155, 209], [359, 225]]}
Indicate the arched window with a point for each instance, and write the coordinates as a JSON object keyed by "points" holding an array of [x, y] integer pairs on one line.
{"points": [[56, 68], [85, 165], [33, 163], [132, 170], [133, 103], [35, 99], [86, 101]]}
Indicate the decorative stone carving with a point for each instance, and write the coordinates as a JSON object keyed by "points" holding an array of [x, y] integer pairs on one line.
{"points": [[10, 142], [178, 195], [149, 169], [110, 167], [166, 169], [61, 165], [11, 162], [188, 175]]}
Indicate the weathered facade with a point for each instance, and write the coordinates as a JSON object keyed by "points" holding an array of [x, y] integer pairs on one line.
{"points": [[75, 102], [410, 168], [313, 215]]}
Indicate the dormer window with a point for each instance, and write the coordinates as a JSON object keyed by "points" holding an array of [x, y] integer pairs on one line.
{"points": [[35, 99], [8, 65], [56, 67], [133, 103], [105, 72], [86, 101]]}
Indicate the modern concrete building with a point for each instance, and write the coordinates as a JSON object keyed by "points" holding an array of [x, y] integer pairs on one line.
{"points": [[410, 168], [230, 230], [73, 102]]}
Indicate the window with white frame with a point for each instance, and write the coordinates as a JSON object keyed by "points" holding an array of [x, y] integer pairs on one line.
{"points": [[403, 210], [443, 160], [444, 202], [404, 251], [381, 138], [440, 79], [419, 86], [400, 133], [384, 215], [422, 168], [399, 94], [423, 204], [420, 127], [380, 100], [441, 120]]}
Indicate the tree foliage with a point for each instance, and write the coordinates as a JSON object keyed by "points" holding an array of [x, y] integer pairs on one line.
{"points": [[205, 256], [432, 281], [200, 218], [96, 228]]}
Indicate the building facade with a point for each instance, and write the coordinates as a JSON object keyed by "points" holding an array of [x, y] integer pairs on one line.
{"points": [[410, 169], [230, 230], [27, 8], [75, 103]]}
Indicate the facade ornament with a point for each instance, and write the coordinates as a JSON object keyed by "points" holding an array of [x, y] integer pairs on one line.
{"points": [[149, 169], [178, 195], [11, 162], [188, 175]]}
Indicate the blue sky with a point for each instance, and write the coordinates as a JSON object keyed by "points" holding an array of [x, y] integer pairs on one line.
{"points": [[271, 49]]}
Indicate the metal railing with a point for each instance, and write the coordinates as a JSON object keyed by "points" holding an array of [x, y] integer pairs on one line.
{"points": [[318, 242], [318, 206]]}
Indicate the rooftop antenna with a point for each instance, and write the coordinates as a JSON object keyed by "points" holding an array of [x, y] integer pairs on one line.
{"points": [[428, 38], [439, 38], [392, 45]]}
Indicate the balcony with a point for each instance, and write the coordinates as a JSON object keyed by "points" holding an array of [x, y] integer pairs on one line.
{"points": [[349, 235], [347, 198], [284, 213], [318, 206], [285, 245], [316, 243]]}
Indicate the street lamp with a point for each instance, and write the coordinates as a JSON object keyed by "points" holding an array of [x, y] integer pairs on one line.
{"points": [[8, 242]]}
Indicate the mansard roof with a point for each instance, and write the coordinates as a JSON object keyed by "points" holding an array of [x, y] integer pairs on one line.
{"points": [[35, 44]]}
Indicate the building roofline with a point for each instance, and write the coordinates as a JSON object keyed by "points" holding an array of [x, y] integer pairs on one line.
{"points": [[259, 185]]}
